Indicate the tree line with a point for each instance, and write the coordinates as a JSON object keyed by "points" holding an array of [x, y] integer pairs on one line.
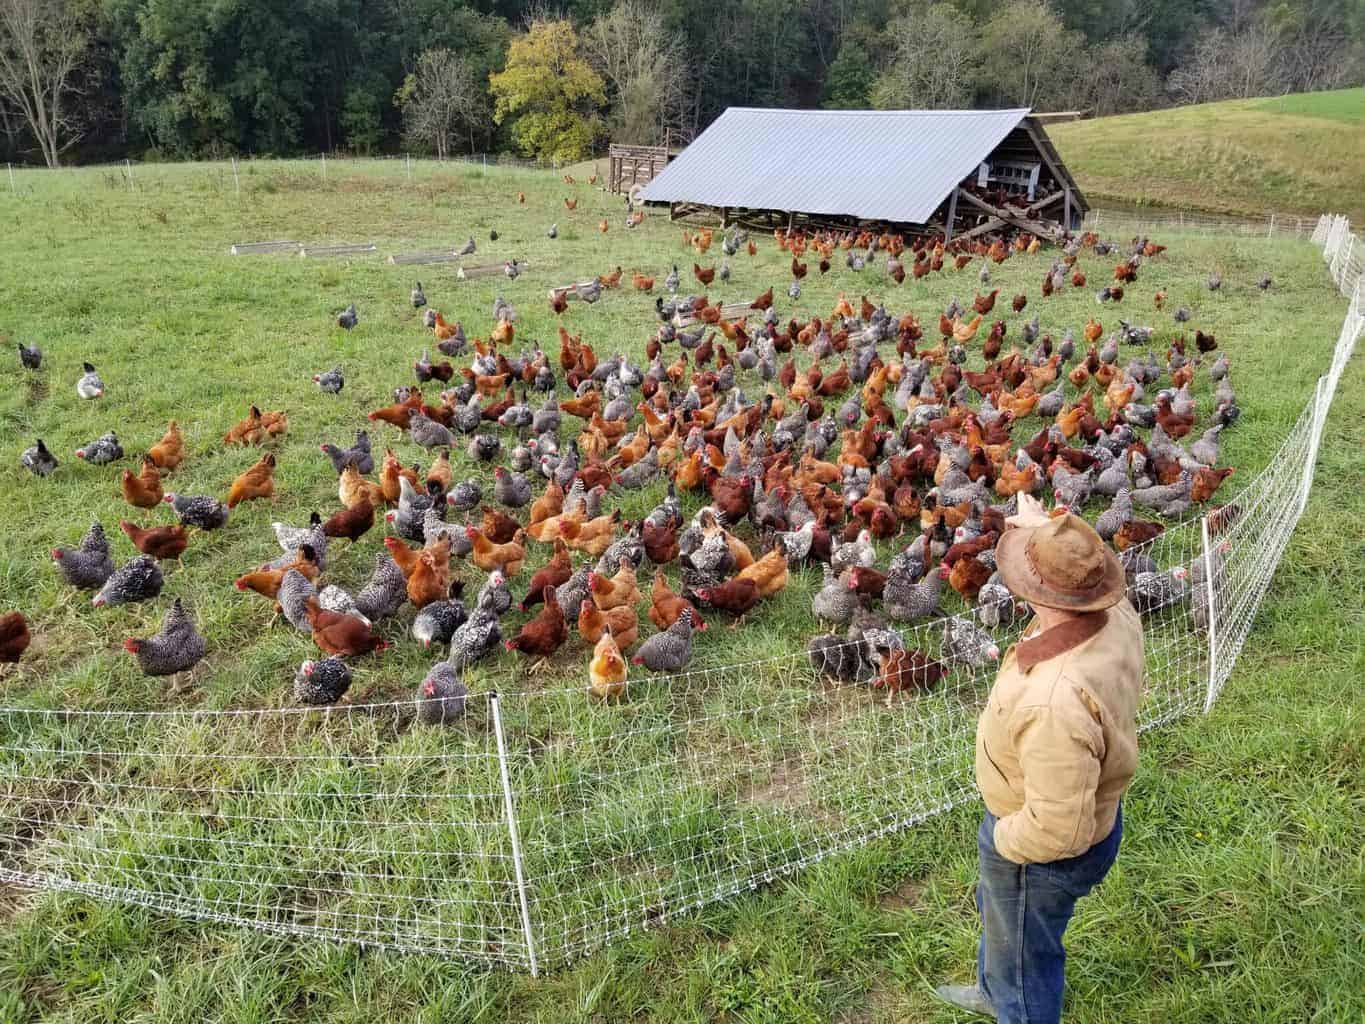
{"points": [[101, 79]]}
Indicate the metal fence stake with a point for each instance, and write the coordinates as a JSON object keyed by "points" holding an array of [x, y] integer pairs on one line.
{"points": [[324, 166], [236, 182], [11, 178], [514, 834], [129, 165]]}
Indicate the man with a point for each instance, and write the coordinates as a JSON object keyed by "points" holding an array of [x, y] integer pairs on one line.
{"points": [[1055, 748]]}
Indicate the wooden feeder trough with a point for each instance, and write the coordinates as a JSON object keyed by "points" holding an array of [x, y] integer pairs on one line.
{"points": [[485, 270], [256, 248], [323, 251], [729, 311], [407, 259], [571, 290]]}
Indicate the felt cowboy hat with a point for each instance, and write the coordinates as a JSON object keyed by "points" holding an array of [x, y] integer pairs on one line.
{"points": [[1061, 564]]}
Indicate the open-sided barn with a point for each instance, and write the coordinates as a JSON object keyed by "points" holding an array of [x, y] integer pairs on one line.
{"points": [[959, 172]]}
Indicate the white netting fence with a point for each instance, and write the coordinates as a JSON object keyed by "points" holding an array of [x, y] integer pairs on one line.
{"points": [[542, 826]]}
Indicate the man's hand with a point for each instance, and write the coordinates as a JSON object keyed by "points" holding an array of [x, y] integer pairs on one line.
{"points": [[1031, 513]]}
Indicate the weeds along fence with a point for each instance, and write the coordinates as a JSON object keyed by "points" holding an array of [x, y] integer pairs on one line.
{"points": [[543, 825]]}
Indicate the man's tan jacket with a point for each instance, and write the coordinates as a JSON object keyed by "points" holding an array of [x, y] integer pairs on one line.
{"points": [[1057, 743]]}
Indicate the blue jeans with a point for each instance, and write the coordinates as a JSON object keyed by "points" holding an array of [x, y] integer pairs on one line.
{"points": [[1025, 908]]}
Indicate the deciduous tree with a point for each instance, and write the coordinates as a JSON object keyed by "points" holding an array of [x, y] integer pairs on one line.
{"points": [[551, 92], [441, 99], [933, 63], [42, 46]]}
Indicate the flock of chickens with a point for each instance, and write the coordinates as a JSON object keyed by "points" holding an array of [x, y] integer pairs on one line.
{"points": [[881, 436]]}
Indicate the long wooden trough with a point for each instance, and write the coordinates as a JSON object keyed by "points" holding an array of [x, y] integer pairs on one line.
{"points": [[485, 270], [324, 251], [728, 311], [256, 248], [407, 259]]}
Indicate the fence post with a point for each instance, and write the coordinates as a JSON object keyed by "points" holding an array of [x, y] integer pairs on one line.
{"points": [[129, 165], [324, 166], [11, 178], [1211, 616], [237, 183], [1270, 230], [513, 832], [485, 163], [407, 159]]}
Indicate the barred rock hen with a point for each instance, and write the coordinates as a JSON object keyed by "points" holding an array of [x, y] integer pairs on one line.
{"points": [[176, 648], [88, 566], [441, 696], [138, 579], [324, 681], [669, 650]]}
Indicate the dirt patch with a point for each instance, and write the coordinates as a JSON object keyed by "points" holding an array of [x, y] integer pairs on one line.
{"points": [[908, 895], [786, 787], [879, 1004]]}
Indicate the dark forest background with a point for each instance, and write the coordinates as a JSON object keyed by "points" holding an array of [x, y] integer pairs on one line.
{"points": [[206, 78]]}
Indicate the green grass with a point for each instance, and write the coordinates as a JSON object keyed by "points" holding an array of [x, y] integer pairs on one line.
{"points": [[1298, 154], [1240, 882]]}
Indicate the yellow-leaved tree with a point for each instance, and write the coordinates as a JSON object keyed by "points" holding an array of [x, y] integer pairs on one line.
{"points": [[551, 91]]}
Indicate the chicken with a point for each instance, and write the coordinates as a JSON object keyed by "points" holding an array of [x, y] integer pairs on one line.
{"points": [[430, 579], [621, 622], [592, 537], [267, 580], [322, 681], [983, 304], [607, 670], [176, 648], [257, 427], [14, 637], [965, 643], [101, 451], [330, 382], [769, 573], [545, 633], [660, 542], [161, 542], [441, 696], [704, 275], [735, 596], [202, 512], [910, 669], [509, 557], [669, 650], [138, 579], [665, 606], [438, 621], [143, 490], [256, 482], [351, 523], [169, 452], [343, 635], [352, 489], [30, 356], [967, 576], [38, 460], [385, 591], [89, 385], [615, 591], [89, 566]]}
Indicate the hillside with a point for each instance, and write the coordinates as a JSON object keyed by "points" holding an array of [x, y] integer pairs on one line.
{"points": [[1302, 153]]}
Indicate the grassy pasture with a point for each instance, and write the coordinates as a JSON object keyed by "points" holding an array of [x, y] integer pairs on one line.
{"points": [[1243, 825], [1299, 154]]}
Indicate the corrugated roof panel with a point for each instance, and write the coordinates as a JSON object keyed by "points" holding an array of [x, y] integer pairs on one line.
{"points": [[895, 165]]}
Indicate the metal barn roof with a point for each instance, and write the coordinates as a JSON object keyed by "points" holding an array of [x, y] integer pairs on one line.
{"points": [[894, 165]]}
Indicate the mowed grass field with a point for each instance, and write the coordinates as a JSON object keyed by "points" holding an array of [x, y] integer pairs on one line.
{"points": [[1241, 875], [1298, 154]]}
